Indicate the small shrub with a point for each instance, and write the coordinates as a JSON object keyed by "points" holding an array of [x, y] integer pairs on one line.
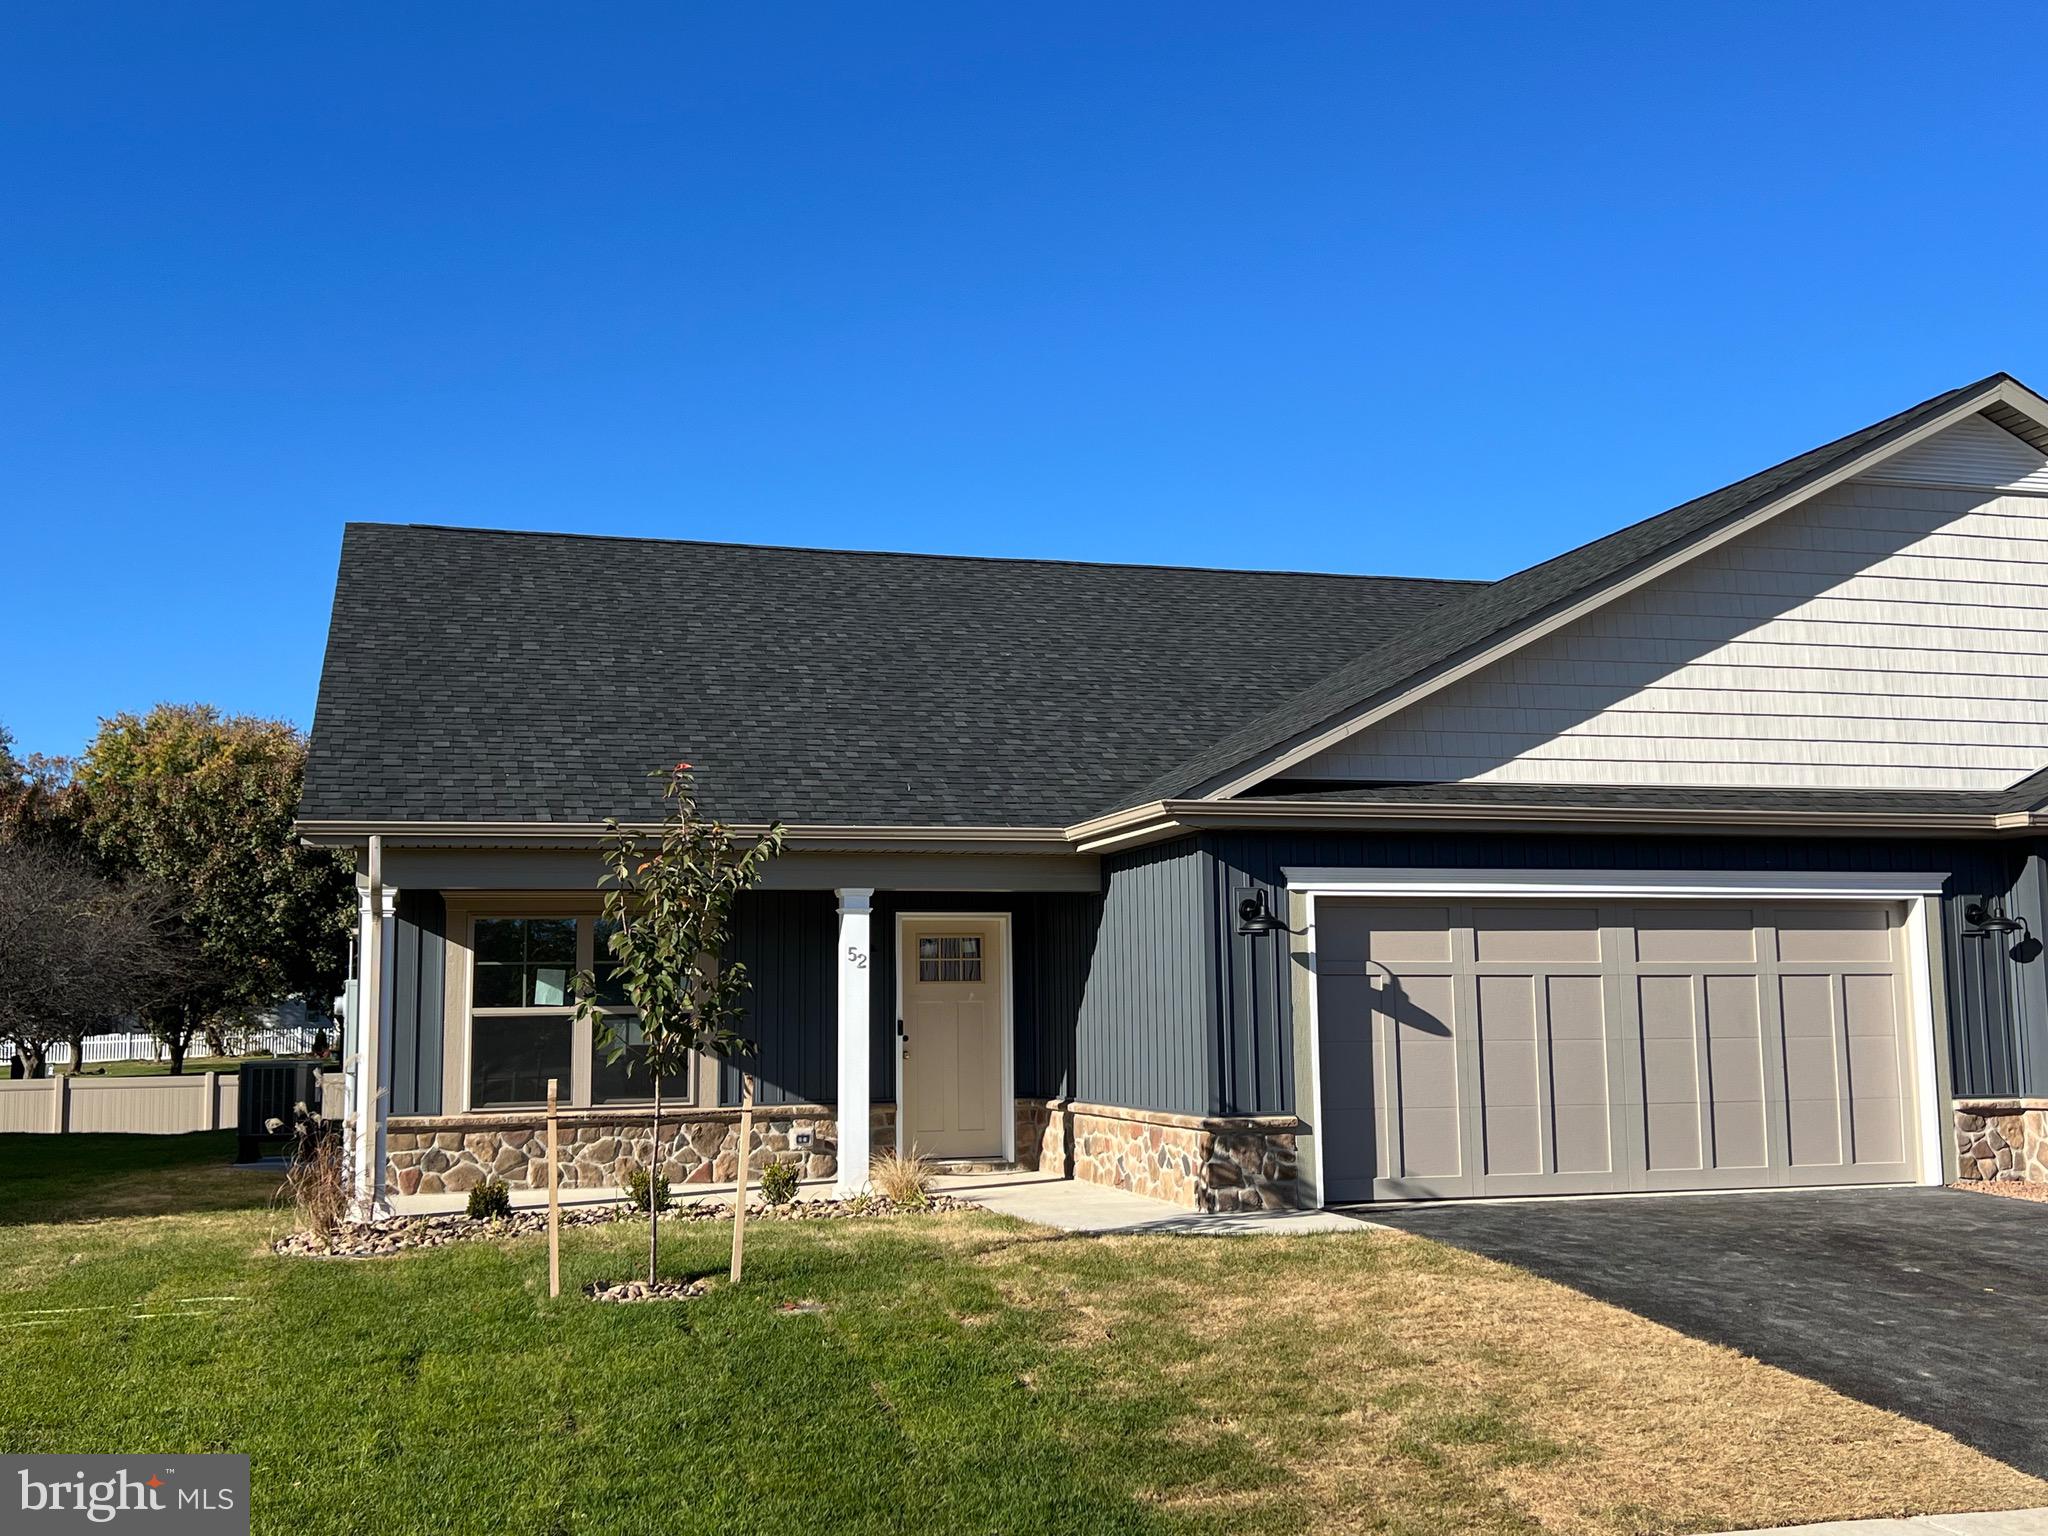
{"points": [[490, 1201], [906, 1181], [636, 1190], [320, 1045], [316, 1179], [778, 1183]]}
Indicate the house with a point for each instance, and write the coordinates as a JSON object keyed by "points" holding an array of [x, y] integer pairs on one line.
{"points": [[1705, 856]]}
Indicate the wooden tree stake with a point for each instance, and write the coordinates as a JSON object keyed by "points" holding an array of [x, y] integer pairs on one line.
{"points": [[554, 1196], [739, 1198]]}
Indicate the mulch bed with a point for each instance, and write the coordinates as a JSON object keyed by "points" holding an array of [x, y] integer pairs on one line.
{"points": [[402, 1234]]}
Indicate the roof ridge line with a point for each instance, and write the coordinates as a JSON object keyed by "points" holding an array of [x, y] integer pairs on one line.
{"points": [[919, 554]]}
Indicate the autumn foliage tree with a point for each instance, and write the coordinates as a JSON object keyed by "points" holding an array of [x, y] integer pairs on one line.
{"points": [[202, 804]]}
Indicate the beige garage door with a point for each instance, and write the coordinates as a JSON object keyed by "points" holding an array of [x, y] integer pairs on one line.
{"points": [[1522, 1048]]}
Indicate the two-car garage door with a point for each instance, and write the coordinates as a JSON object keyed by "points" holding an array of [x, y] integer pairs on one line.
{"points": [[1525, 1047]]}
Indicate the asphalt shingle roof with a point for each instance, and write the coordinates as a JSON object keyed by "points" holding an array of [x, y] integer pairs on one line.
{"points": [[474, 675], [487, 676]]}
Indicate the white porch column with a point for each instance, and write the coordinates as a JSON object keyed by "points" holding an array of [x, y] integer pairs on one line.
{"points": [[370, 1103], [855, 920]]}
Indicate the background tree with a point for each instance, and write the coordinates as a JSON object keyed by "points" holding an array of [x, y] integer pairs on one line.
{"points": [[37, 797], [79, 954], [203, 804], [670, 905]]}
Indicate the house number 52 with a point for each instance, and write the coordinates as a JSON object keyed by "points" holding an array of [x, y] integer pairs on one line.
{"points": [[857, 956]]}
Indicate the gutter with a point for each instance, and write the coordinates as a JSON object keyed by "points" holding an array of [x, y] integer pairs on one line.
{"points": [[823, 837], [1159, 820], [1163, 819]]}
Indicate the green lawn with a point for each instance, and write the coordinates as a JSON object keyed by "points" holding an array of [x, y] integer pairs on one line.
{"points": [[967, 1374]]}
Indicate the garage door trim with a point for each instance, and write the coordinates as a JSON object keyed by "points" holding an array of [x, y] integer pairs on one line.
{"points": [[1917, 893]]}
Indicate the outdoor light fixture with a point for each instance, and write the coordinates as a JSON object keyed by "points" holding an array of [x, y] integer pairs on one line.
{"points": [[1985, 919], [1255, 918]]}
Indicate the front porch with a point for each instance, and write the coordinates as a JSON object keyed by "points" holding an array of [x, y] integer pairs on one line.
{"points": [[954, 1015]]}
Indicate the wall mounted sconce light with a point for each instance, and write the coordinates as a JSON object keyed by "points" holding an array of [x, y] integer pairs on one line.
{"points": [[1255, 918], [1985, 919]]}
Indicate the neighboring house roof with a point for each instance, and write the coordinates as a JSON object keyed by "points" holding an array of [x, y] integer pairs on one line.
{"points": [[1499, 610], [476, 676]]}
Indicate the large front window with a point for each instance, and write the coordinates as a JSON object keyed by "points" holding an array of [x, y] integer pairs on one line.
{"points": [[523, 1025]]}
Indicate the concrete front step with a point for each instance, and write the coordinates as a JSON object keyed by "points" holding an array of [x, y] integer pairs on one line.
{"points": [[973, 1165]]}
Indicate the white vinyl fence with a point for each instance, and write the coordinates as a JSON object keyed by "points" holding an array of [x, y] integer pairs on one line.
{"points": [[286, 1030], [147, 1106], [142, 1047]]}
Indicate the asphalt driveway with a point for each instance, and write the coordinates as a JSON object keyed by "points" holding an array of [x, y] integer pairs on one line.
{"points": [[1929, 1302]]}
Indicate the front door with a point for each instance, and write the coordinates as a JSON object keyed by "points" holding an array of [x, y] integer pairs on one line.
{"points": [[952, 1036]]}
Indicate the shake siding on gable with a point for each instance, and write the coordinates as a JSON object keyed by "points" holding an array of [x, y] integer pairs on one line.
{"points": [[1886, 636]]}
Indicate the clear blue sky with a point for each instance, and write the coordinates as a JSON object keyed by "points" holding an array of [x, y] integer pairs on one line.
{"points": [[1363, 287]]}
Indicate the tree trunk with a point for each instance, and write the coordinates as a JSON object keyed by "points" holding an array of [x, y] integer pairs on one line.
{"points": [[216, 1040], [76, 1040], [175, 1042], [654, 1161], [34, 1061]]}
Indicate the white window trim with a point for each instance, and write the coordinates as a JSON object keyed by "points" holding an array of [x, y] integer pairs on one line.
{"points": [[1919, 894], [1776, 885]]}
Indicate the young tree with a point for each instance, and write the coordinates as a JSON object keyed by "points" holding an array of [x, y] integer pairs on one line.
{"points": [[203, 803], [670, 909], [78, 953]]}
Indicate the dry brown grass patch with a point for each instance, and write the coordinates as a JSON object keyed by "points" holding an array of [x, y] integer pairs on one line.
{"points": [[1399, 1381]]}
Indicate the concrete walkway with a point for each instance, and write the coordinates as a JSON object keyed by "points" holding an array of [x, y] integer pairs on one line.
{"points": [[2004, 1522], [1042, 1198], [1073, 1206]]}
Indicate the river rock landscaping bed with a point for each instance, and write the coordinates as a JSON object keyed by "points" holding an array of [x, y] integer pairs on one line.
{"points": [[402, 1234], [643, 1290]]}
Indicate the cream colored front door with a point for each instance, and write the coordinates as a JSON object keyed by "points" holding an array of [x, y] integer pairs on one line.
{"points": [[952, 1036]]}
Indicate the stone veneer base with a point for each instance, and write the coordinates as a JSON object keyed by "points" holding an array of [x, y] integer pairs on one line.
{"points": [[449, 1154], [2002, 1139], [1200, 1163], [1204, 1163]]}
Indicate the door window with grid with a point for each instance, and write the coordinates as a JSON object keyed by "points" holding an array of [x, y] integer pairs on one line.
{"points": [[949, 957]]}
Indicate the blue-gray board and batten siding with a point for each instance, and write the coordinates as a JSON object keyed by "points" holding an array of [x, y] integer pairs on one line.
{"points": [[1146, 996], [786, 938], [788, 941], [1107, 1001], [420, 951]]}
